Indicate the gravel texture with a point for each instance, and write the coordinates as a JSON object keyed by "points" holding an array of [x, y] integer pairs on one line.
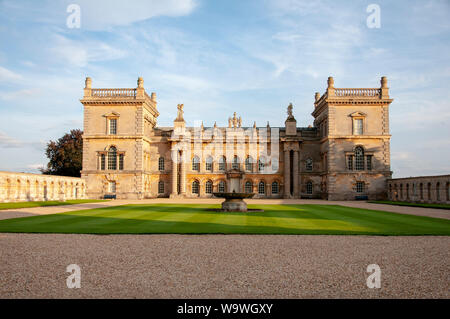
{"points": [[223, 266]]}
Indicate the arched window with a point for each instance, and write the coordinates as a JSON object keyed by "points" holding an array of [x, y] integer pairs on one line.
{"points": [[235, 164], [309, 188], [209, 164], [160, 187], [275, 188], [309, 164], [261, 188], [161, 164], [447, 191], [195, 187], [261, 163], [429, 191], [195, 163], [222, 163], [208, 187], [359, 158], [249, 164], [248, 187], [360, 187], [401, 191], [222, 187], [407, 191], [421, 190], [438, 191], [112, 158]]}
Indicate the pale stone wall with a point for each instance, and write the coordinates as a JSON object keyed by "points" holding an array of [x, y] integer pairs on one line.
{"points": [[421, 189], [20, 187]]}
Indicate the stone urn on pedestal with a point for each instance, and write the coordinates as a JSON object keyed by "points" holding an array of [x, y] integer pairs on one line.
{"points": [[234, 198]]}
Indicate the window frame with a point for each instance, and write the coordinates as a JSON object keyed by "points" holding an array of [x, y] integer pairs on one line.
{"points": [[276, 187], [262, 186], [161, 164], [360, 187], [248, 187], [161, 187], [196, 187], [309, 188]]}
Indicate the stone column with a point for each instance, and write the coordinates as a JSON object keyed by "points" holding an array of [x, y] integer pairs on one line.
{"points": [[174, 172], [295, 172], [287, 173], [183, 174]]}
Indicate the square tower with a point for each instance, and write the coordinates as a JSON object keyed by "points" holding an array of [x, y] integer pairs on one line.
{"points": [[115, 123], [353, 124]]}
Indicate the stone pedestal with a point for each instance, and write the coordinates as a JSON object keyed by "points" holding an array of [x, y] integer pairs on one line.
{"points": [[234, 205]]}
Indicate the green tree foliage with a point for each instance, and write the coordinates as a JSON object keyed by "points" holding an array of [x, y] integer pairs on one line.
{"points": [[65, 155]]}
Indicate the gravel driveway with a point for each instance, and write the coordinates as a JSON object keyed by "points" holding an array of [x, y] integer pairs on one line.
{"points": [[223, 266]]}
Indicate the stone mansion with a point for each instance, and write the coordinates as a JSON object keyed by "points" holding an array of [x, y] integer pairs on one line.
{"points": [[344, 155]]}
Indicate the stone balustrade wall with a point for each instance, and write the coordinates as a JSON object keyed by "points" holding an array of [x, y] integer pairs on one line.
{"points": [[20, 187]]}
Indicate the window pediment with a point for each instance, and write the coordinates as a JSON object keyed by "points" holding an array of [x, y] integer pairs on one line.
{"points": [[111, 114], [357, 114]]}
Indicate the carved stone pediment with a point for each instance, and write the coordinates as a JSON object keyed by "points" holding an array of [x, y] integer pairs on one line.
{"points": [[358, 114], [111, 114]]}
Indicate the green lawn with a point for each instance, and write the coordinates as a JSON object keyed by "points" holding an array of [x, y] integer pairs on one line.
{"points": [[46, 203], [440, 206], [195, 219]]}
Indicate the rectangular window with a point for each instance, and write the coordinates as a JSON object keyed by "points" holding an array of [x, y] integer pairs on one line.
{"points": [[350, 162], [113, 126], [360, 187], [112, 187], [369, 162], [121, 161], [102, 162], [358, 126]]}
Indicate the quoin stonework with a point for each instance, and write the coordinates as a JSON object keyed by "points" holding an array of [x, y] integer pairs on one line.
{"points": [[344, 155]]}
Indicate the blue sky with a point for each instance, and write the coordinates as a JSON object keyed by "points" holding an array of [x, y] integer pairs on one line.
{"points": [[217, 57]]}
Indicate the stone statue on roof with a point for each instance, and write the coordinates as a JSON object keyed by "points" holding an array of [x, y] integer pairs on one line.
{"points": [[180, 113], [289, 112]]}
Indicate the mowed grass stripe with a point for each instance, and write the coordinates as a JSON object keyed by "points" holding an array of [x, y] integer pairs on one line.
{"points": [[196, 219]]}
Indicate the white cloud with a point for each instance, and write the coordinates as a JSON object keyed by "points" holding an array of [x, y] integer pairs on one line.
{"points": [[13, 95], [9, 142], [35, 166], [80, 53], [8, 75], [105, 14]]}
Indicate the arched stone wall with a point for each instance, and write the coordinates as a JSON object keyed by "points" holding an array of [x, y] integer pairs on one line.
{"points": [[421, 189], [19, 187]]}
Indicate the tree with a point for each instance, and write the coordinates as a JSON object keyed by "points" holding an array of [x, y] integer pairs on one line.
{"points": [[65, 155]]}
